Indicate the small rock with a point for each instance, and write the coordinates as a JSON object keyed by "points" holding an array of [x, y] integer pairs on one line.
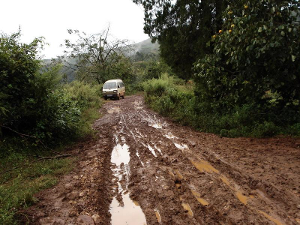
{"points": [[85, 220], [73, 213], [192, 143], [298, 206], [52, 221], [59, 222], [72, 195], [96, 218], [68, 186], [40, 214]]}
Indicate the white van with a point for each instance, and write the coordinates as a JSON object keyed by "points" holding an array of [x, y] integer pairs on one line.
{"points": [[113, 89]]}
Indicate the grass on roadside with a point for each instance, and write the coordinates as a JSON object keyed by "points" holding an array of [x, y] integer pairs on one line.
{"points": [[23, 176]]}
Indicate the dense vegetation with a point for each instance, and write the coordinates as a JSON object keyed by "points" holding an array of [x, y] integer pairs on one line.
{"points": [[38, 113], [42, 111], [247, 77], [182, 29]]}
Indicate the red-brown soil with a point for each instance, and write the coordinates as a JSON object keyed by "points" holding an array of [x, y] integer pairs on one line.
{"points": [[175, 175]]}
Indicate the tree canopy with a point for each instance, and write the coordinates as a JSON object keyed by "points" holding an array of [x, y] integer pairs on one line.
{"points": [[255, 60], [98, 58], [182, 29]]}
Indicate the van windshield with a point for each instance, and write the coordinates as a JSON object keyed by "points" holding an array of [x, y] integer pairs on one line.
{"points": [[110, 85]]}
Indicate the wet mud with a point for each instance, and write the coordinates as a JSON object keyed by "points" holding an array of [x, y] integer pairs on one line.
{"points": [[144, 169]]}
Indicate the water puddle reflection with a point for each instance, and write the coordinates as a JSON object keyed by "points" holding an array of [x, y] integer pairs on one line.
{"points": [[152, 150], [120, 154], [130, 213], [243, 199], [158, 149], [156, 125], [238, 193], [181, 146], [225, 180], [170, 136], [178, 174], [187, 208], [123, 210], [277, 222], [158, 217], [199, 199], [204, 166], [138, 155]]}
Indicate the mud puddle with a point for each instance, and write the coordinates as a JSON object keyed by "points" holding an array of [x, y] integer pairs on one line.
{"points": [[123, 210], [144, 169]]}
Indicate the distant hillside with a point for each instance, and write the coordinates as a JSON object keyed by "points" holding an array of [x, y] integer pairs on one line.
{"points": [[142, 51], [146, 47], [68, 69]]}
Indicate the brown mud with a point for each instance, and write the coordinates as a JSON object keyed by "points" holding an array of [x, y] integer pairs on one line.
{"points": [[144, 169]]}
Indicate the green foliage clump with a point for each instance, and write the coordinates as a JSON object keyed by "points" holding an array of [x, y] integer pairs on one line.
{"points": [[176, 100], [22, 177], [34, 101], [182, 28], [254, 66], [37, 111], [17, 70], [84, 94], [168, 96]]}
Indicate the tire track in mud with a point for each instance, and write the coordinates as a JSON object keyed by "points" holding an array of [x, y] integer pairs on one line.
{"points": [[143, 169], [175, 181]]}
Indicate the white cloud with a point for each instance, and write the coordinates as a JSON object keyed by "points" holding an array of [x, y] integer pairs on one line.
{"points": [[51, 19]]}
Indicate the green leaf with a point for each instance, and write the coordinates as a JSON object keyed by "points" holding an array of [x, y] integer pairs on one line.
{"points": [[293, 58]]}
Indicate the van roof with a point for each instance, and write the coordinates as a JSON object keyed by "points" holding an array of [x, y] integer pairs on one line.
{"points": [[114, 80]]}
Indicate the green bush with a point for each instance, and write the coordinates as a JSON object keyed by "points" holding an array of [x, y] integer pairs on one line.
{"points": [[86, 95], [255, 61], [18, 66], [34, 101], [179, 103], [169, 99]]}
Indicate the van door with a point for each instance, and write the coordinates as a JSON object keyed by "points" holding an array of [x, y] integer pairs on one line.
{"points": [[119, 86]]}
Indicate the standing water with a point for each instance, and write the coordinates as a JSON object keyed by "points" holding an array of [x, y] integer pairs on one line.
{"points": [[124, 211]]}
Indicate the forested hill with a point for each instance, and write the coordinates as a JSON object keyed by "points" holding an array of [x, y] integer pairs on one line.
{"points": [[146, 47], [140, 52]]}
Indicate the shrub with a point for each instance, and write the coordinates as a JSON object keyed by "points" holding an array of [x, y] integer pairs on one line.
{"points": [[84, 94], [254, 66], [169, 99], [256, 59]]}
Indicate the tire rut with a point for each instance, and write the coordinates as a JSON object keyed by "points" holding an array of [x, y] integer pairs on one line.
{"points": [[170, 174]]}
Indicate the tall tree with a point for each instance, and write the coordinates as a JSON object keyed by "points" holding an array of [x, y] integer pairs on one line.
{"points": [[96, 55], [182, 27], [255, 61]]}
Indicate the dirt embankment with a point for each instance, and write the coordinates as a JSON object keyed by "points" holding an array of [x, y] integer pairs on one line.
{"points": [[143, 169]]}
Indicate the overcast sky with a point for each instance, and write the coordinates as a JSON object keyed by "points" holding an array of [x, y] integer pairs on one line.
{"points": [[51, 19]]}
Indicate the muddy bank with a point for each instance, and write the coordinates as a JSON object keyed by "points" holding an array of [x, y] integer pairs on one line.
{"points": [[143, 169]]}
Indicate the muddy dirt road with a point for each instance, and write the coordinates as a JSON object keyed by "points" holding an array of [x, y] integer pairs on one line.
{"points": [[143, 169]]}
